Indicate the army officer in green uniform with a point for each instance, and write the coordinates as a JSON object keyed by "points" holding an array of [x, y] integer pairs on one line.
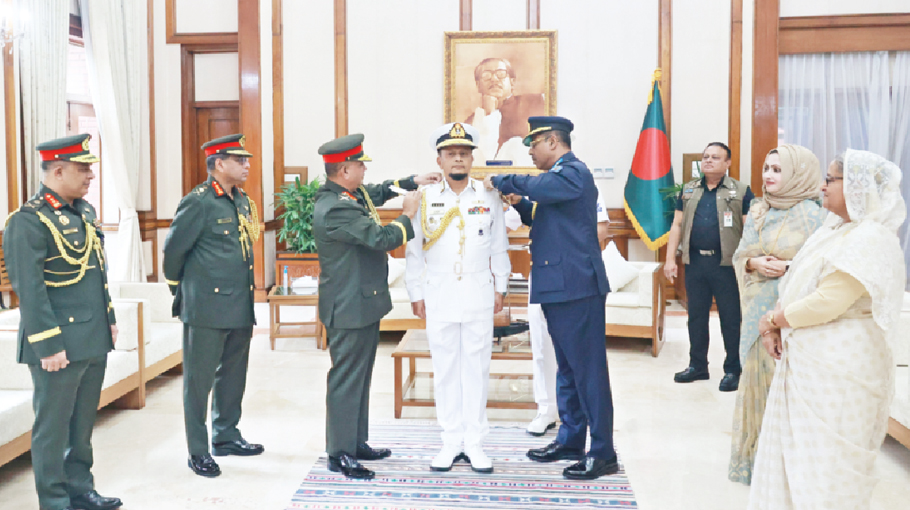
{"points": [[353, 291], [53, 247], [208, 263]]}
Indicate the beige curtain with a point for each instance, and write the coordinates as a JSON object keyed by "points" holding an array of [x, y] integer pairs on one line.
{"points": [[115, 41], [43, 53]]}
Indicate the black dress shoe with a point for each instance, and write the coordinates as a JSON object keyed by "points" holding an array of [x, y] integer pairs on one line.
{"points": [[553, 452], [239, 447], [348, 465], [91, 500], [730, 382], [365, 452], [691, 374], [204, 465], [590, 468]]}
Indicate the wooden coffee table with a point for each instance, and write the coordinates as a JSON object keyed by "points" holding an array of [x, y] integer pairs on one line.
{"points": [[294, 297], [414, 345]]}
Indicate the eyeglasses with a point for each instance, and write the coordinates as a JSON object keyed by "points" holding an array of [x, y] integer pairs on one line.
{"points": [[500, 74], [829, 180], [239, 159], [538, 140]]}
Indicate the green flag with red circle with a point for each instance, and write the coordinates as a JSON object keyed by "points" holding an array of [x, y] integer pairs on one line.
{"points": [[650, 213]]}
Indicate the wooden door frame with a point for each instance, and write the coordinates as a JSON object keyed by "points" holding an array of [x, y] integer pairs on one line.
{"points": [[188, 53]]}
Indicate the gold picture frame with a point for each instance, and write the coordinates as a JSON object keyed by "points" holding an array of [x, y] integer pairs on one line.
{"points": [[531, 63]]}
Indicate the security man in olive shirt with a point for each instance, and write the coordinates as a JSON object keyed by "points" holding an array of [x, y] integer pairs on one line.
{"points": [[53, 246], [353, 290], [208, 263], [707, 227]]}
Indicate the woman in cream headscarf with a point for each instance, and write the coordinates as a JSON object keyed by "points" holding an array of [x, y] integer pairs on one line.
{"points": [[778, 224], [827, 411]]}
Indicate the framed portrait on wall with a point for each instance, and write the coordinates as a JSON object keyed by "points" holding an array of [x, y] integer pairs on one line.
{"points": [[495, 81]]}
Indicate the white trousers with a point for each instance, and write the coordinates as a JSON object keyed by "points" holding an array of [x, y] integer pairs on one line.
{"points": [[544, 362], [461, 354]]}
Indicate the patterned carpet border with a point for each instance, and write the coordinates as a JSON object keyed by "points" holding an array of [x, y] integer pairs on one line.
{"points": [[404, 480]]}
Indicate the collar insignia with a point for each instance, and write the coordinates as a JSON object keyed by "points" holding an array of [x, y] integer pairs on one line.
{"points": [[51, 199], [218, 189]]}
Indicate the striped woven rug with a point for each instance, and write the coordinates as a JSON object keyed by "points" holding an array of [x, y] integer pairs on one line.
{"points": [[404, 480]]}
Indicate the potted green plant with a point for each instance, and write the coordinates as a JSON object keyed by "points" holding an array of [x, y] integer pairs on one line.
{"points": [[295, 203]]}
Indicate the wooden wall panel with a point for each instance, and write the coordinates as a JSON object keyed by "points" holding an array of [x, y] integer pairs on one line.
{"points": [[341, 69], [170, 10], [664, 45], [764, 85], [10, 124], [249, 53], [867, 32], [734, 125], [277, 96]]}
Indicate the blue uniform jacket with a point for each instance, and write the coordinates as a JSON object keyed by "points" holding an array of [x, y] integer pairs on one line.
{"points": [[566, 263]]}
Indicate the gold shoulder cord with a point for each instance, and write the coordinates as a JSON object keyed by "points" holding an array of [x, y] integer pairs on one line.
{"points": [[373, 213], [249, 230], [432, 237], [92, 244]]}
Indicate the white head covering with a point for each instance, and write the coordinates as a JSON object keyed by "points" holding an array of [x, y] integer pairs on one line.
{"points": [[872, 190]]}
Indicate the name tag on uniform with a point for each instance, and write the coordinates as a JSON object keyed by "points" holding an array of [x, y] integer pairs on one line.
{"points": [[70, 231], [438, 204], [225, 220], [728, 218], [688, 193]]}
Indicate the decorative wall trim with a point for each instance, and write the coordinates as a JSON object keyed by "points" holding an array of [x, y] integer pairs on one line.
{"points": [[665, 45], [11, 126], [153, 145], [734, 123], [764, 86], [465, 15], [341, 69], [170, 11], [533, 15], [863, 32], [277, 95]]}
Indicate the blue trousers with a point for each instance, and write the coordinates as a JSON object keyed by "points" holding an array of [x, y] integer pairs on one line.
{"points": [[582, 378]]}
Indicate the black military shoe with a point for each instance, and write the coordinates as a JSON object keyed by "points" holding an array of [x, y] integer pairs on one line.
{"points": [[365, 452], [590, 468], [553, 452], [91, 500], [691, 374], [348, 465], [730, 382], [204, 465], [239, 447]]}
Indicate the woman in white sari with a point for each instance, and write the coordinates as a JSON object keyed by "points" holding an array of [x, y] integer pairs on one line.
{"points": [[827, 411]]}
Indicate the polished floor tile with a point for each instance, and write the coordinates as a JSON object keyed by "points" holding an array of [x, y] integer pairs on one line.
{"points": [[674, 438]]}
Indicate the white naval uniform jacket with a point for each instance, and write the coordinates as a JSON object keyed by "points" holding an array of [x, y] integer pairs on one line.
{"points": [[459, 287]]}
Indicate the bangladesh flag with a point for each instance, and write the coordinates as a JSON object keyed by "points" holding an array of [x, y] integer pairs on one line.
{"points": [[650, 213]]}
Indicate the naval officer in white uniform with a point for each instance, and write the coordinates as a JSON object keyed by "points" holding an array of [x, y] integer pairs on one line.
{"points": [[457, 275], [542, 351]]}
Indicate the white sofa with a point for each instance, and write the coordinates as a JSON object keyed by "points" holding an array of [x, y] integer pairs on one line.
{"points": [[122, 378], [899, 425], [163, 333], [637, 309]]}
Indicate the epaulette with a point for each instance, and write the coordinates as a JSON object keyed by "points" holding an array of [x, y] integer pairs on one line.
{"points": [[199, 190], [6, 223]]}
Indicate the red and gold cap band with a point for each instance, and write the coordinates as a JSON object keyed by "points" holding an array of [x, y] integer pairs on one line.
{"points": [[342, 156]]}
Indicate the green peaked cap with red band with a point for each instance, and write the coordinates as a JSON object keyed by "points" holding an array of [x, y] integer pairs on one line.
{"points": [[346, 148], [651, 214], [230, 144], [72, 148]]}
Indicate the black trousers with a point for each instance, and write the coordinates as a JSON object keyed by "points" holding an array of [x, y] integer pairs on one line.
{"points": [[347, 402], [706, 279]]}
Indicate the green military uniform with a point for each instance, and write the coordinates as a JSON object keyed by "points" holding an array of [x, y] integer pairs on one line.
{"points": [[55, 258], [353, 289], [208, 263]]}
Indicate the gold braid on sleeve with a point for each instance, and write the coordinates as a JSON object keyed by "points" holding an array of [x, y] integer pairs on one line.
{"points": [[249, 228], [432, 237]]}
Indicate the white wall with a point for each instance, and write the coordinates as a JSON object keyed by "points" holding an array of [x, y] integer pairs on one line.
{"points": [[700, 77], [395, 80], [840, 7], [496, 15], [168, 126], [206, 16], [217, 77], [309, 82]]}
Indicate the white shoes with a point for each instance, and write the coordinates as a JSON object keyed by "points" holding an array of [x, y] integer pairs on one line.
{"points": [[541, 424], [445, 458], [479, 460]]}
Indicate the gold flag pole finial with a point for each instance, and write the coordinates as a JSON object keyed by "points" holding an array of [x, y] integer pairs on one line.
{"points": [[654, 78]]}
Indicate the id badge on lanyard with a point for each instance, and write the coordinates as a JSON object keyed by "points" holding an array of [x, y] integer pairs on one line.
{"points": [[728, 218]]}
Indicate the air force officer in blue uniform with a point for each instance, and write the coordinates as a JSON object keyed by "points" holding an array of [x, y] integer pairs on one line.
{"points": [[571, 285]]}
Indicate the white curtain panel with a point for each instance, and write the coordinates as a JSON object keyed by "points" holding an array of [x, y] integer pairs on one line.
{"points": [[43, 53], [115, 43], [831, 102], [900, 137]]}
